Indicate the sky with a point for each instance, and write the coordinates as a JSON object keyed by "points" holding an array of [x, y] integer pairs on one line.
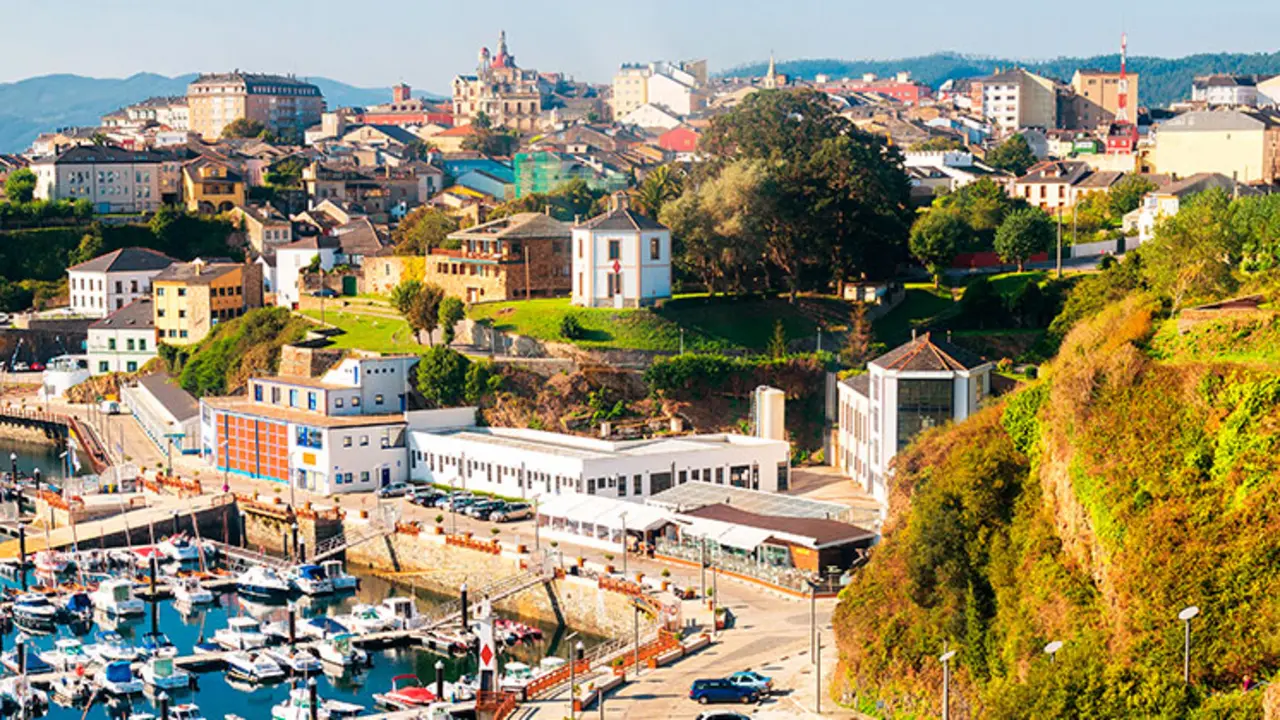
{"points": [[427, 42]]}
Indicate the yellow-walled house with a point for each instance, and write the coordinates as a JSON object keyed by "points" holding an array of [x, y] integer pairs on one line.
{"points": [[209, 186], [1241, 144], [191, 298]]}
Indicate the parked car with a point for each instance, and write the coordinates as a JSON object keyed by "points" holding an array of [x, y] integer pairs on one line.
{"points": [[480, 510], [396, 489], [37, 366], [722, 715], [21, 367], [709, 691], [324, 293], [752, 679], [513, 511], [456, 502], [425, 497]]}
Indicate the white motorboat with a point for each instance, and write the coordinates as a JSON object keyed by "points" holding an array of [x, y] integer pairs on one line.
{"points": [[188, 591], [66, 655], [366, 619], [114, 597], [339, 650], [241, 633], [117, 678], [321, 627], [262, 582], [159, 672], [515, 676], [253, 667], [111, 647], [180, 548], [298, 707], [32, 610], [51, 562], [17, 695], [298, 661], [310, 580], [338, 577], [399, 613]]}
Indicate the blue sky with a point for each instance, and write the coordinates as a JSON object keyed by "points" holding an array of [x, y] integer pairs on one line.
{"points": [[426, 42]]}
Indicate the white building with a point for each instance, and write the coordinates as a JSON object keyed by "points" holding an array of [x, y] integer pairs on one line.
{"points": [[109, 282], [341, 432], [1225, 90], [679, 87], [949, 169], [124, 340], [169, 415], [1016, 99], [113, 179], [530, 463], [922, 384], [621, 259], [650, 116], [1168, 200], [295, 257]]}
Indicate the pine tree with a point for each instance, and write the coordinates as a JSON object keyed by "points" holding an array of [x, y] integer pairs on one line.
{"points": [[778, 343]]}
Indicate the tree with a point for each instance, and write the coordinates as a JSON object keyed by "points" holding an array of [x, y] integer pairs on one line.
{"points": [[442, 377], [663, 184], [418, 149], [90, 247], [935, 239], [450, 313], [1194, 252], [403, 293], [983, 204], [718, 226], [481, 381], [778, 342], [857, 346], [1024, 233], [20, 187], [839, 200], [243, 128], [1013, 155], [1125, 196], [421, 230], [939, 143], [424, 310]]}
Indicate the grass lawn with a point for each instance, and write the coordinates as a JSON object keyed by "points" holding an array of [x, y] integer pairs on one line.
{"points": [[926, 306], [364, 332], [709, 325]]}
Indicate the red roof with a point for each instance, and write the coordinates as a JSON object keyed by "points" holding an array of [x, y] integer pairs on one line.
{"points": [[679, 139]]}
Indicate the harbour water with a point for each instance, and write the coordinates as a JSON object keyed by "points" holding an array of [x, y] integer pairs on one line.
{"points": [[217, 696]]}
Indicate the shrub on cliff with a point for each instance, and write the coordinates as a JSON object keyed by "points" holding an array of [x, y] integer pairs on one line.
{"points": [[234, 351]]}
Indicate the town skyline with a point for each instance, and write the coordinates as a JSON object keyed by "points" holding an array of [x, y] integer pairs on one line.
{"points": [[750, 35]]}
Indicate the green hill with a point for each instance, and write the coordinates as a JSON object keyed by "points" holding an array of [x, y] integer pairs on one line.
{"points": [[1140, 476], [1162, 80]]}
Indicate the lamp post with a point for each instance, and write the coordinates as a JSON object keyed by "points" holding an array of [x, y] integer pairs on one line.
{"points": [[13, 462], [946, 683], [226, 465], [1052, 650], [635, 606], [813, 614], [817, 676], [537, 540], [715, 600], [573, 669], [1185, 616]]}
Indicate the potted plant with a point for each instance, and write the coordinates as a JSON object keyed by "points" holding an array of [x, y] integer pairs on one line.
{"points": [[619, 668], [439, 524], [721, 617], [608, 568], [666, 573], [639, 576], [581, 561]]}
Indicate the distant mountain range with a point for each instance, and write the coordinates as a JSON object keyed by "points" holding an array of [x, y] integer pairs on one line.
{"points": [[1162, 80], [39, 104]]}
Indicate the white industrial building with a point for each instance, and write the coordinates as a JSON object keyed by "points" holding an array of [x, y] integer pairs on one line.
{"points": [[529, 463], [916, 386], [621, 259]]}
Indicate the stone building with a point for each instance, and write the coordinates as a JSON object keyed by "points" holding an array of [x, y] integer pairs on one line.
{"points": [[280, 102], [520, 256], [506, 94]]}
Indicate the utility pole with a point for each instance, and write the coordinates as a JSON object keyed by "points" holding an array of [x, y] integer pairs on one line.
{"points": [[1059, 217]]}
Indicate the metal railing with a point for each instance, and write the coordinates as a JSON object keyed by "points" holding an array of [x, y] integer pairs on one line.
{"points": [[381, 522]]}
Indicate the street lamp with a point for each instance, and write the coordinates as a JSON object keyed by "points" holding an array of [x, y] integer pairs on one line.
{"points": [[1052, 650], [226, 465], [946, 683], [813, 581], [573, 670], [636, 625], [1185, 616]]}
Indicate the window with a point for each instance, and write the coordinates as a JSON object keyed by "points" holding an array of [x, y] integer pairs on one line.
{"points": [[257, 393], [364, 476], [182, 333], [275, 395], [129, 343], [159, 312], [104, 366], [377, 399], [364, 440], [311, 401], [310, 438], [182, 292], [293, 398], [111, 343], [355, 401], [922, 404], [131, 366], [719, 476], [655, 249], [346, 441], [182, 313], [637, 487], [337, 402], [615, 249], [119, 286]]}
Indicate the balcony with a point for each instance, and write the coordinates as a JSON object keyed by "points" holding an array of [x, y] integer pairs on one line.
{"points": [[503, 256]]}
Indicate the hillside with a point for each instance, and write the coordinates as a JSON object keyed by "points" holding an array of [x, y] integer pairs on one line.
{"points": [[1163, 80], [39, 104], [1139, 477]]}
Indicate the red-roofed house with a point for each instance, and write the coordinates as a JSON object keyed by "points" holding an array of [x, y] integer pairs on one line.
{"points": [[683, 139], [451, 140]]}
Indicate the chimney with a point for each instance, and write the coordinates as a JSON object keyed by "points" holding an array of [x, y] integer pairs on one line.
{"points": [[546, 209], [913, 334], [577, 219]]}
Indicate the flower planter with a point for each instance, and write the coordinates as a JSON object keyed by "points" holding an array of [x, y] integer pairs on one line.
{"points": [[522, 549], [439, 530], [665, 585], [639, 577], [608, 569]]}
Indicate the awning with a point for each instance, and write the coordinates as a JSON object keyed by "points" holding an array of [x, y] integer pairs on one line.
{"points": [[744, 538]]}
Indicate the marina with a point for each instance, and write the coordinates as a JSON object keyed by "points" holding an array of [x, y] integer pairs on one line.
{"points": [[419, 632]]}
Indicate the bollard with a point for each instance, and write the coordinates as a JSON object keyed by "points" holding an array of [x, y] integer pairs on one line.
{"points": [[315, 703], [163, 700], [21, 649], [22, 553], [293, 626], [294, 546], [440, 680], [155, 609], [302, 551], [465, 625]]}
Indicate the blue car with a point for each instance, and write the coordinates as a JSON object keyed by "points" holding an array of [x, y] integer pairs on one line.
{"points": [[753, 680], [709, 691]]}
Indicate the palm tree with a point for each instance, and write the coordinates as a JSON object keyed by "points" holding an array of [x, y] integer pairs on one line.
{"points": [[662, 184]]}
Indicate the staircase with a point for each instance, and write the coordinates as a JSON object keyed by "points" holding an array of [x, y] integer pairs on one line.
{"points": [[382, 522]]}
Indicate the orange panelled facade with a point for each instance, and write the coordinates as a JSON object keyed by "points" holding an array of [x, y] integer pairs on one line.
{"points": [[258, 448]]}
